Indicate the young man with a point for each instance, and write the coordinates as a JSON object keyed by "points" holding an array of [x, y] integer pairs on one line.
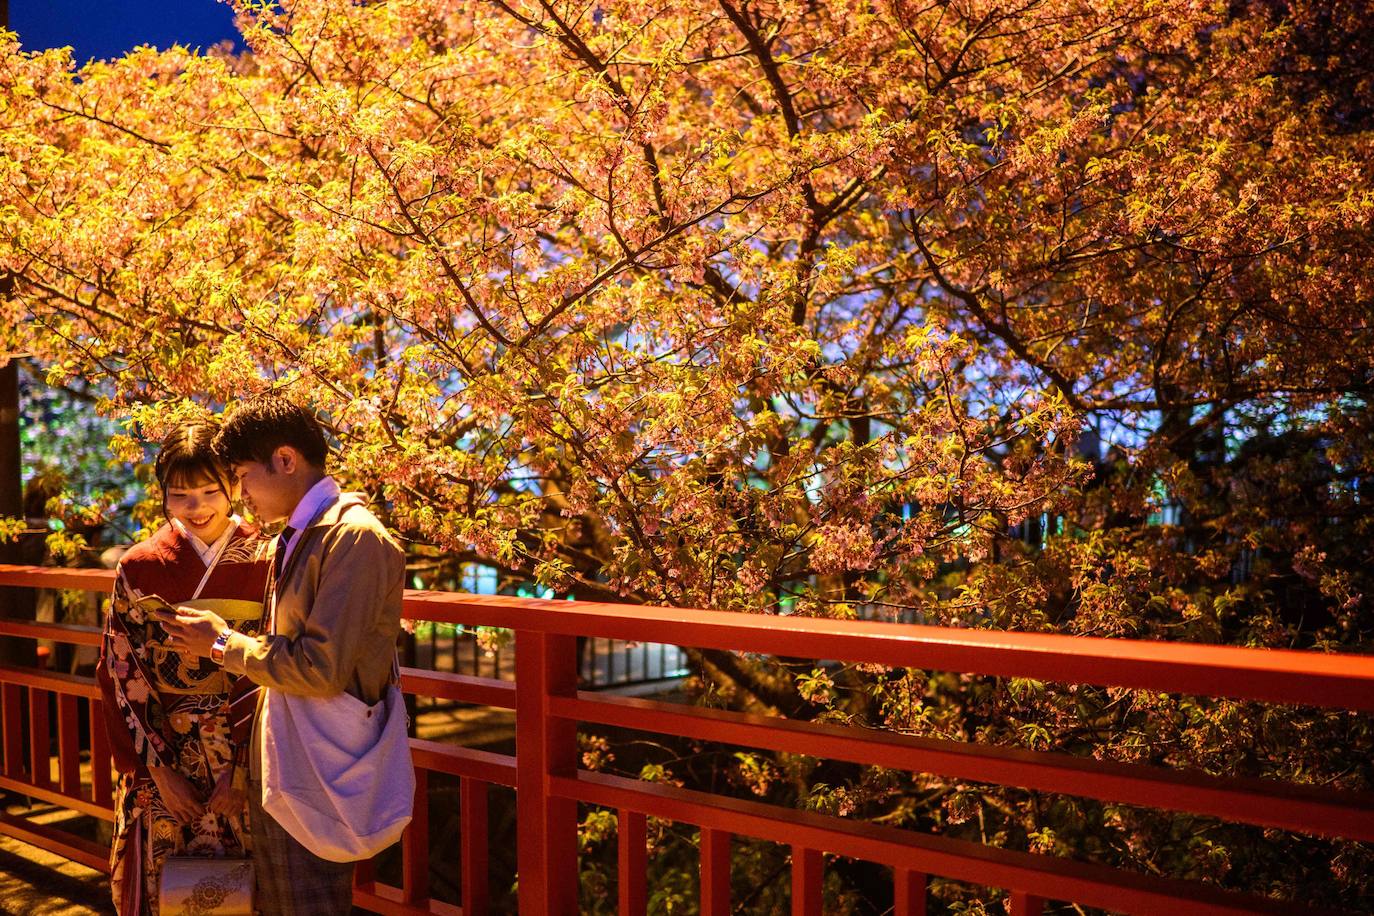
{"points": [[335, 600]]}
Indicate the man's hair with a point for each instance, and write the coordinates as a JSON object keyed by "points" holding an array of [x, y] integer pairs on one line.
{"points": [[264, 423]]}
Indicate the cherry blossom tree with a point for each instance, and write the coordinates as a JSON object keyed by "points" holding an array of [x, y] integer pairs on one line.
{"points": [[779, 307]]}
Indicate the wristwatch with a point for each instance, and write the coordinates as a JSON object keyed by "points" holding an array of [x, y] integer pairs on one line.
{"points": [[219, 645]]}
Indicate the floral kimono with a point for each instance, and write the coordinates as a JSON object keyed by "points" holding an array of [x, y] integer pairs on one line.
{"points": [[166, 710]]}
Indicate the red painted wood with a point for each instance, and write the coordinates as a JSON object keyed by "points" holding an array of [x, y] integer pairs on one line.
{"points": [[68, 746], [909, 892], [75, 633], [1023, 904], [1276, 675], [546, 747], [365, 872], [632, 829], [497, 769], [808, 868], [483, 691], [415, 845], [56, 681], [715, 872], [76, 579], [387, 900], [1265, 802], [472, 801], [548, 707], [40, 739], [23, 786], [1049, 877], [11, 720], [62, 842], [101, 762]]}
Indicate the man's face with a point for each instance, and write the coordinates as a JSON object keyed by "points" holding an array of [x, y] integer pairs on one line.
{"points": [[267, 492]]}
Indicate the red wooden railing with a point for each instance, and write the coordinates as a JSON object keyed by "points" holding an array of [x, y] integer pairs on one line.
{"points": [[549, 784]]}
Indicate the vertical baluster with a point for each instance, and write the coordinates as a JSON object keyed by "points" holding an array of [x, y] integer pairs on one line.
{"points": [[11, 718], [68, 745], [472, 812], [415, 845], [807, 867], [909, 892], [634, 863], [101, 762], [715, 872], [40, 760], [546, 843], [1024, 904], [365, 874]]}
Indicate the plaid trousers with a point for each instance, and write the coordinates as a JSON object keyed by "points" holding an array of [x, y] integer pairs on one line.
{"points": [[292, 880]]}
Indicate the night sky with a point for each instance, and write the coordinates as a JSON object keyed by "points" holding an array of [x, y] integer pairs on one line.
{"points": [[109, 28]]}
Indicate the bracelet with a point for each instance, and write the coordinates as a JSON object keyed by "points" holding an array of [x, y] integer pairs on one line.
{"points": [[219, 645]]}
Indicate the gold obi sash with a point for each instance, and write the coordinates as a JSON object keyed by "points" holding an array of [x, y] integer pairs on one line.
{"points": [[174, 673]]}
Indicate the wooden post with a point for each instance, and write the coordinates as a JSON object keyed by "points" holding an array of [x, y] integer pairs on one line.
{"points": [[472, 801], [715, 872], [631, 828], [545, 747]]}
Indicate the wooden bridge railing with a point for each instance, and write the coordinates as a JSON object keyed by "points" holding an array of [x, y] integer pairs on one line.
{"points": [[549, 784]]}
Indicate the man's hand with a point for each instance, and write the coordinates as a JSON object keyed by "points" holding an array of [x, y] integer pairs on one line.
{"points": [[191, 631]]}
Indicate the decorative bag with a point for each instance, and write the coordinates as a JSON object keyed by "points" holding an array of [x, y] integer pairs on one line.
{"points": [[337, 773], [193, 886]]}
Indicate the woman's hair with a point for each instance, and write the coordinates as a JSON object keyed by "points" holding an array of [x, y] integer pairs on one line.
{"points": [[187, 458], [262, 424]]}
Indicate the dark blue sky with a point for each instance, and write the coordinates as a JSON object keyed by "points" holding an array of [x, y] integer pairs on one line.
{"points": [[109, 28]]}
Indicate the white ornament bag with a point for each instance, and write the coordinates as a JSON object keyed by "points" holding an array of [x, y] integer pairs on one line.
{"points": [[337, 773]]}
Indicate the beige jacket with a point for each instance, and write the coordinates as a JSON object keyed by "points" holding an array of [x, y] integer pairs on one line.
{"points": [[338, 613]]}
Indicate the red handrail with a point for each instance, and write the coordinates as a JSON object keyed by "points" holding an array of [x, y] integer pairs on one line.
{"points": [[549, 785]]}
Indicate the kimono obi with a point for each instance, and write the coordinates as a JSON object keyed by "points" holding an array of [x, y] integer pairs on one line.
{"points": [[175, 673]]}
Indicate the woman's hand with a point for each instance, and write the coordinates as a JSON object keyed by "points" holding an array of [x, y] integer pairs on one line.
{"points": [[179, 796], [227, 799]]}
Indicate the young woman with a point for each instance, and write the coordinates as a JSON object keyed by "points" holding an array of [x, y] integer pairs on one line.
{"points": [[182, 778]]}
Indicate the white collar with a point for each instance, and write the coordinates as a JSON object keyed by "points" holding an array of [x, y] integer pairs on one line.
{"points": [[324, 492], [205, 551], [316, 500]]}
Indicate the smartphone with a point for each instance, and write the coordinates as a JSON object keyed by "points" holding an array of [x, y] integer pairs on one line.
{"points": [[152, 605]]}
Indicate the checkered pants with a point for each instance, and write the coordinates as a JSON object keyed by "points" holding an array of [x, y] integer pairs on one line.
{"points": [[292, 880]]}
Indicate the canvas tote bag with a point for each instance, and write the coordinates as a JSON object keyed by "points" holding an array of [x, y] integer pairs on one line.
{"points": [[336, 772]]}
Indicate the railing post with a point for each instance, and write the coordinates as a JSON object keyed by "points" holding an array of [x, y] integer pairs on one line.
{"points": [[545, 747], [68, 745], [415, 845], [1024, 904], [808, 866], [472, 813], [909, 892], [12, 718], [715, 872], [631, 828], [40, 739], [101, 764]]}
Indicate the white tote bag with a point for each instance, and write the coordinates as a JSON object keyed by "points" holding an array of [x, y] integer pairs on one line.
{"points": [[337, 773]]}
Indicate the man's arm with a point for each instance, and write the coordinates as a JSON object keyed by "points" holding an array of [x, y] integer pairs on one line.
{"points": [[359, 572]]}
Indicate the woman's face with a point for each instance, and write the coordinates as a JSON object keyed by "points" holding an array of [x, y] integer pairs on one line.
{"points": [[201, 505]]}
